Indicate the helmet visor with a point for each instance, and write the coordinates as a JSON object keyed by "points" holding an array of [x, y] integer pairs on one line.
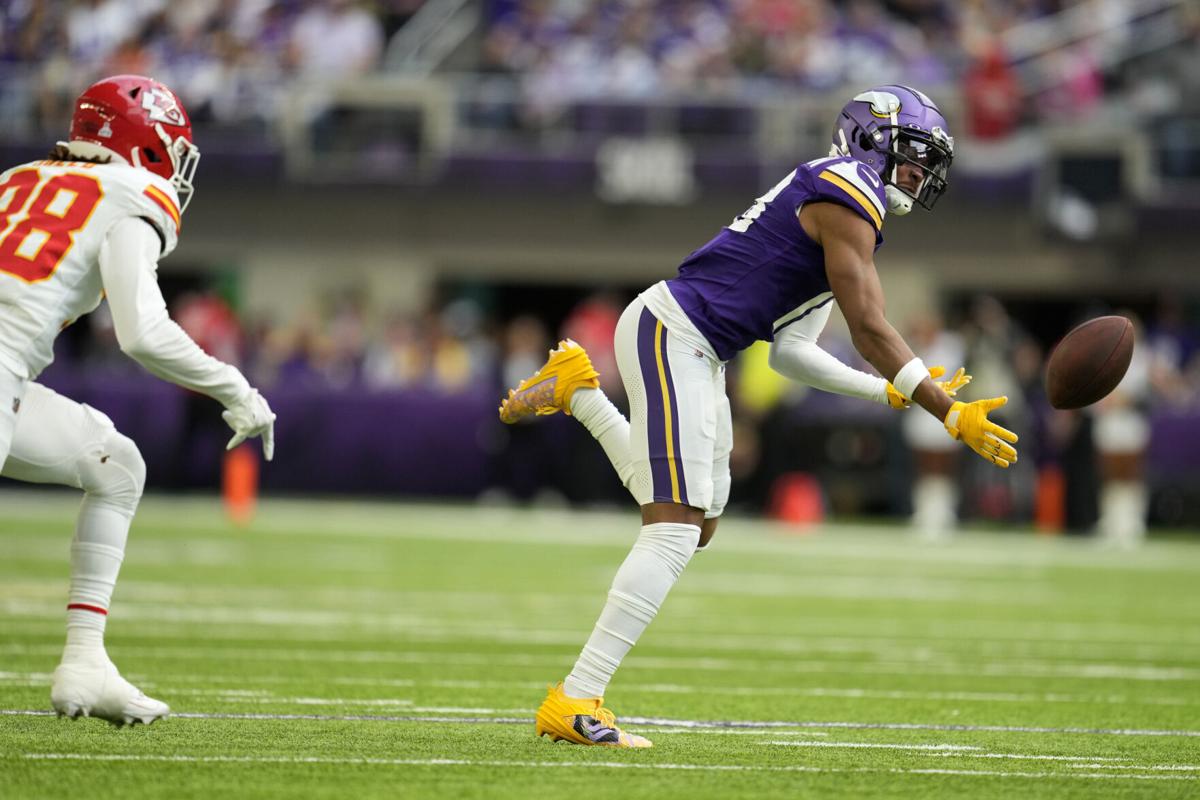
{"points": [[928, 161]]}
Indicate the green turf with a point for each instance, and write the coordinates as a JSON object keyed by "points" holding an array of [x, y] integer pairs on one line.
{"points": [[399, 651]]}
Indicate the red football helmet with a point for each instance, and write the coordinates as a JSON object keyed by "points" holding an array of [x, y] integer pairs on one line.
{"points": [[142, 121]]}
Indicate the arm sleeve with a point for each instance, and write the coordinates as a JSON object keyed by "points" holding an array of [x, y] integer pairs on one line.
{"points": [[795, 354], [128, 269]]}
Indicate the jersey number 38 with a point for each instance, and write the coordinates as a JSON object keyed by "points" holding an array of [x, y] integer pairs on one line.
{"points": [[51, 212]]}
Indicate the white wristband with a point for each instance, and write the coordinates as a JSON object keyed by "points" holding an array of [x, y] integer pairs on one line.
{"points": [[909, 377]]}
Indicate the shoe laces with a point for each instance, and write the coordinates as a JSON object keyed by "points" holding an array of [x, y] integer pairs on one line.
{"points": [[604, 715]]}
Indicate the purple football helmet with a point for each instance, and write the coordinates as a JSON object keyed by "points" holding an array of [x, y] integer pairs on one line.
{"points": [[893, 125]]}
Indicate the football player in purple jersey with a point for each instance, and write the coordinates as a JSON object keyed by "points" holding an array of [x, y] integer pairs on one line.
{"points": [[772, 274]]}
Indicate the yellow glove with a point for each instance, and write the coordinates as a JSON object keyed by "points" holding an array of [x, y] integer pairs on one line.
{"points": [[950, 387], [968, 422]]}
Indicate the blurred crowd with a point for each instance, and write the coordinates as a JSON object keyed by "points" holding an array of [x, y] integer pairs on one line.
{"points": [[228, 59], [627, 48], [232, 60], [573, 50], [460, 345], [1077, 469]]}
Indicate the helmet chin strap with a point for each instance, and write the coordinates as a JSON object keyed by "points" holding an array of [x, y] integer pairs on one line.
{"points": [[840, 150], [899, 203]]}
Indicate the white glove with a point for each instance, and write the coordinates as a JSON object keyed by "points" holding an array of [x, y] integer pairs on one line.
{"points": [[251, 417]]}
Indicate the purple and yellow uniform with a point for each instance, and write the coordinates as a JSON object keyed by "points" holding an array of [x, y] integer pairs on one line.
{"points": [[763, 272], [757, 276]]}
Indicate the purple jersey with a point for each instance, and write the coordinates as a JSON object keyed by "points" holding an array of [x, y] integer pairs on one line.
{"points": [[763, 272]]}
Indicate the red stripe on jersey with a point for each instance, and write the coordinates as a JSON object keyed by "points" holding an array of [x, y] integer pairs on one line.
{"points": [[86, 607], [164, 202]]}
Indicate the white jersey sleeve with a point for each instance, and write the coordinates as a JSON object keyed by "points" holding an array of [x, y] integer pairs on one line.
{"points": [[144, 195], [54, 218], [128, 268], [795, 354]]}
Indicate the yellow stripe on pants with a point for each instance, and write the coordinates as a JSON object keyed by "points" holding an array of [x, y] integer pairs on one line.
{"points": [[670, 439]]}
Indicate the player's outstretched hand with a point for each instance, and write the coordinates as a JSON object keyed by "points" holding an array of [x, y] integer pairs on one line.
{"points": [[251, 417], [956, 381], [969, 422], [950, 387]]}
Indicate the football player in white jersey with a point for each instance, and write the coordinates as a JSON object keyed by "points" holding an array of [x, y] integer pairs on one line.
{"points": [[92, 221]]}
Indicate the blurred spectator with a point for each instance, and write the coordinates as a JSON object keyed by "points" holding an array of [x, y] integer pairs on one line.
{"points": [[526, 341], [1173, 352], [335, 39], [96, 28], [527, 460], [212, 324], [992, 96], [1122, 432], [993, 339], [398, 358], [1074, 84], [340, 361], [935, 485], [593, 323], [461, 354]]}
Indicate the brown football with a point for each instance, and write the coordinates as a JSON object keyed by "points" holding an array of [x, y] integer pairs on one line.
{"points": [[1089, 362]]}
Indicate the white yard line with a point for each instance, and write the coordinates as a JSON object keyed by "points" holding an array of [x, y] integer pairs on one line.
{"points": [[238, 622], [999, 774], [681, 723], [1021, 669], [462, 762], [949, 751], [1036, 757], [1085, 763], [38, 679], [358, 520], [42, 600], [906, 726], [167, 683], [864, 693], [722, 732], [462, 710], [939, 748]]}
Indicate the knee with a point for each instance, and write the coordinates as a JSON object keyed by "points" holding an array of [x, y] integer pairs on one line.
{"points": [[707, 531], [720, 497], [124, 452], [114, 470], [672, 543], [655, 513], [721, 483]]}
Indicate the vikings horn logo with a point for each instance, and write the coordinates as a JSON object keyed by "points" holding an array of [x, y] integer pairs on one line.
{"points": [[883, 104], [161, 107]]}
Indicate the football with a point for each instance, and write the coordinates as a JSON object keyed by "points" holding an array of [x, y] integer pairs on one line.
{"points": [[1089, 362]]}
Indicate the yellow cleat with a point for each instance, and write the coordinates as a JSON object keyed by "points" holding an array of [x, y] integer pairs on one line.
{"points": [[549, 390], [582, 721]]}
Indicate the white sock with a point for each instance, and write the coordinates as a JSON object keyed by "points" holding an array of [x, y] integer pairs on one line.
{"points": [[650, 570], [935, 506], [608, 426], [96, 555], [1123, 512]]}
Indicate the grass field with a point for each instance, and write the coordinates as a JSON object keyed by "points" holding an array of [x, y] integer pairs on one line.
{"points": [[362, 650]]}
